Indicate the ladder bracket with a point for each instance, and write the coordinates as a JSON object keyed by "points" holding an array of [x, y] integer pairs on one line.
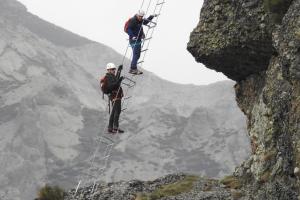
{"points": [[161, 3]]}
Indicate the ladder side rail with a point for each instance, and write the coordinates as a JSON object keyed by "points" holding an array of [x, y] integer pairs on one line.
{"points": [[152, 32]]}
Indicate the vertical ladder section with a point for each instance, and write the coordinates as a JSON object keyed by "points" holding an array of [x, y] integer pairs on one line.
{"points": [[151, 27], [148, 36], [98, 163]]}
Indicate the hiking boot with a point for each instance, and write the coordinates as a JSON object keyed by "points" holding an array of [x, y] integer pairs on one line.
{"points": [[135, 71], [111, 131], [117, 130]]}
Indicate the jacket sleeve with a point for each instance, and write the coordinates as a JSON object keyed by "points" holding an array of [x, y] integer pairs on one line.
{"points": [[131, 27], [146, 21]]}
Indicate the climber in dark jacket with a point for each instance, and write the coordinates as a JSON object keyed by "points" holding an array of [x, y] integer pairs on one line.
{"points": [[136, 34], [113, 84]]}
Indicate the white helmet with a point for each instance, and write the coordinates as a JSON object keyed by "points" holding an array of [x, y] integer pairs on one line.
{"points": [[140, 13], [110, 66]]}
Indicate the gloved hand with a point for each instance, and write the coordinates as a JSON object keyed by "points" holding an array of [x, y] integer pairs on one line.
{"points": [[120, 79], [120, 67]]}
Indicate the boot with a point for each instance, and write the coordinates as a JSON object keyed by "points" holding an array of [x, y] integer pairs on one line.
{"points": [[117, 130], [135, 72], [111, 131]]}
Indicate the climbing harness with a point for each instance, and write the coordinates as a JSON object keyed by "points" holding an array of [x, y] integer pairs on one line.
{"points": [[106, 142]]}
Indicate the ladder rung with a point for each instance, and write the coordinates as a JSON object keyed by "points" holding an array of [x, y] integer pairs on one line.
{"points": [[148, 39], [105, 142], [107, 138], [140, 62], [105, 157], [125, 98], [101, 158], [132, 81], [151, 22], [150, 27], [123, 109], [93, 170], [144, 50], [161, 3], [128, 85]]}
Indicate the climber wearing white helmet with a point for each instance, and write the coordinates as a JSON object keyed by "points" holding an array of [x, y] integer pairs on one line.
{"points": [[111, 85], [134, 28]]}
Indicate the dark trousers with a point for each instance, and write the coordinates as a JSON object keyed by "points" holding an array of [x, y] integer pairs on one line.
{"points": [[136, 52], [115, 114]]}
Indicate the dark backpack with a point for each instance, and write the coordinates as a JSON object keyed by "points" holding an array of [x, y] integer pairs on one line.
{"points": [[126, 25], [104, 85]]}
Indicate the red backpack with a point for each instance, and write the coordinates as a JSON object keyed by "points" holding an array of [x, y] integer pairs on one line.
{"points": [[126, 25], [103, 85]]}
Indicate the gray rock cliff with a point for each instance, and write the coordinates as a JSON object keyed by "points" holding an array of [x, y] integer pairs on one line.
{"points": [[257, 43]]}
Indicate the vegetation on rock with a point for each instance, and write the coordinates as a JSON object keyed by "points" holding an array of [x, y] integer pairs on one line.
{"points": [[173, 189], [231, 182], [51, 193]]}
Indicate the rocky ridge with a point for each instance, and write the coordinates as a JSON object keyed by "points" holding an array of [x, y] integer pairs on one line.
{"points": [[203, 189]]}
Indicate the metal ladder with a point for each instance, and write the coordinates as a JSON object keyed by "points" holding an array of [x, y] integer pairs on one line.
{"points": [[107, 142]]}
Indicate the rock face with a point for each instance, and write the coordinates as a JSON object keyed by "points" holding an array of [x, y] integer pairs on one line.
{"points": [[257, 43]]}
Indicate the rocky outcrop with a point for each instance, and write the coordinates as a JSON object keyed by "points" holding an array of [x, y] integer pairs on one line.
{"points": [[233, 37], [257, 43]]}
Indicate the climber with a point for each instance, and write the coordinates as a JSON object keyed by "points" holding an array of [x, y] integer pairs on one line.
{"points": [[110, 85], [134, 28]]}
